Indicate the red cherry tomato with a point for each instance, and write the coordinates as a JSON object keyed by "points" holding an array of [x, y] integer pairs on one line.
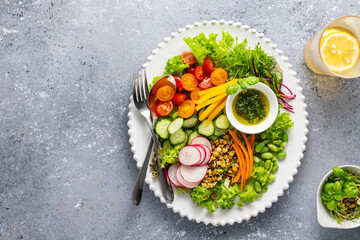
{"points": [[164, 108], [179, 98], [199, 73], [190, 70], [209, 65], [178, 82], [188, 58], [206, 83], [152, 104]]}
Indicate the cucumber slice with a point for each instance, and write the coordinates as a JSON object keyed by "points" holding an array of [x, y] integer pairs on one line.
{"points": [[193, 135], [185, 141], [222, 122], [161, 128], [177, 137], [166, 145], [175, 125], [206, 130], [190, 122], [219, 132]]}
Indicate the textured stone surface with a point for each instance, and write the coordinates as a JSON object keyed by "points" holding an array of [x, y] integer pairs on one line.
{"points": [[66, 169]]}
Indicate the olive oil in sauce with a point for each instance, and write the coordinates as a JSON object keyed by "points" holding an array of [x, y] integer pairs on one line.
{"points": [[253, 105]]}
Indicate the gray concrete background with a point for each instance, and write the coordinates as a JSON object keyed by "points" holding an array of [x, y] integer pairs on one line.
{"points": [[66, 169]]}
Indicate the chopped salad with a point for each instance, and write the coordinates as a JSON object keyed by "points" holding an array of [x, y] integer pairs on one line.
{"points": [[202, 153]]}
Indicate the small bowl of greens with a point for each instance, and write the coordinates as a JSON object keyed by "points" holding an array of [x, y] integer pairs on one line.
{"points": [[252, 109], [338, 198]]}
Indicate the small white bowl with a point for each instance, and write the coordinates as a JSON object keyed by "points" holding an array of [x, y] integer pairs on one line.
{"points": [[323, 214], [270, 118]]}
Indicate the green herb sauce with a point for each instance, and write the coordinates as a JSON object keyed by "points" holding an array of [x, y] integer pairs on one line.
{"points": [[251, 107]]}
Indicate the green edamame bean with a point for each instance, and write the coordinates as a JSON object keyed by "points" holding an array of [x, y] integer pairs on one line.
{"points": [[283, 145], [331, 205], [281, 155], [257, 159], [265, 149], [263, 136], [259, 147], [328, 187], [267, 155], [338, 172], [257, 187], [348, 179], [275, 168], [277, 142], [272, 147], [285, 137], [272, 178], [350, 189], [267, 164], [337, 187]]}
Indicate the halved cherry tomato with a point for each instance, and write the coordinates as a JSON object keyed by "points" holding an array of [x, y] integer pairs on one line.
{"points": [[206, 83], [219, 76], [188, 58], [152, 104], [179, 98], [195, 94], [189, 82], [186, 109], [209, 65], [178, 83], [190, 70], [164, 108], [199, 73], [165, 93]]}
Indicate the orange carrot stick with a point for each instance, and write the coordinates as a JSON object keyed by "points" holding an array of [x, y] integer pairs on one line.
{"points": [[236, 139], [250, 154], [252, 141], [240, 161]]}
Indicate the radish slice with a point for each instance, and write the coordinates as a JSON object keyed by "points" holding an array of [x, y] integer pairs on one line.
{"points": [[172, 175], [182, 180], [202, 141], [189, 155], [192, 174], [203, 154], [208, 155]]}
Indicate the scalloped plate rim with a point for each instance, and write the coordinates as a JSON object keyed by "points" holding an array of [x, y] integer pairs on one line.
{"points": [[274, 199]]}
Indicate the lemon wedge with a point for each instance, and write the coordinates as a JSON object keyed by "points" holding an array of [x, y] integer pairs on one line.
{"points": [[339, 50]]}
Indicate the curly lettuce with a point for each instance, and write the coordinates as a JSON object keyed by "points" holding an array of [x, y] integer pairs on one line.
{"points": [[282, 123], [169, 156]]}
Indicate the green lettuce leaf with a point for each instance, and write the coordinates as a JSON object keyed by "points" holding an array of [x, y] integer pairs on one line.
{"points": [[175, 66], [169, 156], [249, 195], [226, 199], [198, 45], [282, 123], [261, 175]]}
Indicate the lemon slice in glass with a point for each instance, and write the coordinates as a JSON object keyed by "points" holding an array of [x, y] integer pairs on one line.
{"points": [[339, 50]]}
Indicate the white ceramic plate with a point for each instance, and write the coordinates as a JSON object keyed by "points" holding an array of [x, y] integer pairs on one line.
{"points": [[140, 134]]}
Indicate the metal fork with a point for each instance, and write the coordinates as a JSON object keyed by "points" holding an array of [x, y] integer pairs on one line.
{"points": [[140, 97]]}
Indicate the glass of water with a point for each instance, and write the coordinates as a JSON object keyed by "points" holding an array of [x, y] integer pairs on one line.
{"points": [[334, 50]]}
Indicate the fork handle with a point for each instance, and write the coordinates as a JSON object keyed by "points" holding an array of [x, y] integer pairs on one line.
{"points": [[166, 188], [139, 185]]}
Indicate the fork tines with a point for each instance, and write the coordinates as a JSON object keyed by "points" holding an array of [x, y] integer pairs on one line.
{"points": [[140, 90]]}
